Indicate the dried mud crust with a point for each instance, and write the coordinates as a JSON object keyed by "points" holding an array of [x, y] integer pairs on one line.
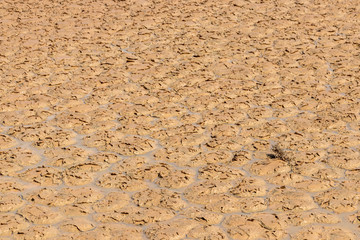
{"points": [[142, 119]]}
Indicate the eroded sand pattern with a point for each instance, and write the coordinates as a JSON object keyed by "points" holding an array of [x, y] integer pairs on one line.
{"points": [[202, 119]]}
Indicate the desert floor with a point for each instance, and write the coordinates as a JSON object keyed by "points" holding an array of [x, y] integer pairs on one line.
{"points": [[205, 119]]}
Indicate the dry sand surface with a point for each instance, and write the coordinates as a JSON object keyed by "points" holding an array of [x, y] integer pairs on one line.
{"points": [[218, 119]]}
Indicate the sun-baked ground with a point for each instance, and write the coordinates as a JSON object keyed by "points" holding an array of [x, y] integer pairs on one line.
{"points": [[197, 119]]}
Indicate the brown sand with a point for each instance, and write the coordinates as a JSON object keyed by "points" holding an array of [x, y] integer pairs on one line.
{"points": [[227, 119]]}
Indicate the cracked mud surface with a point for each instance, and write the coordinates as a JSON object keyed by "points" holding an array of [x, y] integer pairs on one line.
{"points": [[158, 119]]}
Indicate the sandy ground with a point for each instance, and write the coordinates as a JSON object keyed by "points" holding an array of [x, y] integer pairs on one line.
{"points": [[227, 119]]}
